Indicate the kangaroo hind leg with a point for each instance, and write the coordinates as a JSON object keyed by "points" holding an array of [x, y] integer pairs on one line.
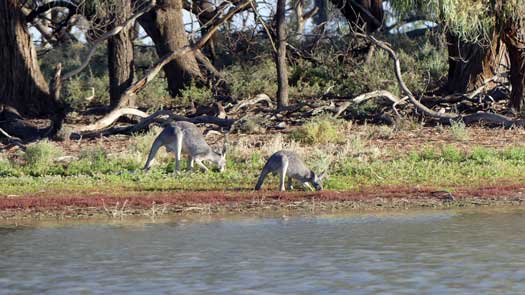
{"points": [[179, 135], [284, 169]]}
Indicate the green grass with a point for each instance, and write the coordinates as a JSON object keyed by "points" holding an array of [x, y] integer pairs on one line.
{"points": [[94, 170]]}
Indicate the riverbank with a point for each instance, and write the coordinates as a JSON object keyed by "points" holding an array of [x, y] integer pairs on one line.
{"points": [[369, 167], [64, 205]]}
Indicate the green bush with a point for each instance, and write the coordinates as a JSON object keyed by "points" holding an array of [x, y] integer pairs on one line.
{"points": [[459, 131], [39, 158], [450, 153], [481, 155], [319, 130], [251, 78], [200, 95]]}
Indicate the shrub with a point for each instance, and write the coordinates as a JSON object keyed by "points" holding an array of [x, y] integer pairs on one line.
{"points": [[451, 154], [481, 155], [380, 132], [459, 130], [251, 79], [39, 157], [320, 130], [201, 95]]}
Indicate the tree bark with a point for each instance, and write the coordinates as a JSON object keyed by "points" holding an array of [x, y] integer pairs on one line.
{"points": [[367, 14], [120, 58], [517, 76], [206, 11], [165, 26], [22, 85], [321, 16], [470, 65], [282, 71], [514, 37]]}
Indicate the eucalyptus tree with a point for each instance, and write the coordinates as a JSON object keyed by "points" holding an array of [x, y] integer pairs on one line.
{"points": [[22, 84], [483, 36]]}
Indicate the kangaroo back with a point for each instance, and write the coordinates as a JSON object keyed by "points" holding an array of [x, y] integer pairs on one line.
{"points": [[193, 140]]}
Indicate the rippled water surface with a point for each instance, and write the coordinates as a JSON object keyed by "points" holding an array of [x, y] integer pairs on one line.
{"points": [[445, 252]]}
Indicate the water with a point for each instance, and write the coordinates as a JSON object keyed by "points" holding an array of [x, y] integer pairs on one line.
{"points": [[443, 252]]}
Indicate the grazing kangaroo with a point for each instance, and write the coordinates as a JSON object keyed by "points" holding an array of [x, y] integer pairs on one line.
{"points": [[186, 137], [288, 163]]}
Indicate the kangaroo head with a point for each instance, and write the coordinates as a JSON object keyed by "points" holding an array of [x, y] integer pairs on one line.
{"points": [[222, 160], [317, 180]]}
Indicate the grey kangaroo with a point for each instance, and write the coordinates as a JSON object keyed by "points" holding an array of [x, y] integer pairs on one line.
{"points": [[186, 137], [288, 163]]}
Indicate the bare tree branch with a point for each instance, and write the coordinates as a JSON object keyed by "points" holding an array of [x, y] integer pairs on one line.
{"points": [[106, 36]]}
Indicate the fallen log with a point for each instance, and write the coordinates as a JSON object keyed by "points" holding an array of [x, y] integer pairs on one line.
{"points": [[147, 121]]}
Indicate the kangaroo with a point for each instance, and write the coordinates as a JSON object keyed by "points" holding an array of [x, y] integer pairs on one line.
{"points": [[288, 163], [186, 137]]}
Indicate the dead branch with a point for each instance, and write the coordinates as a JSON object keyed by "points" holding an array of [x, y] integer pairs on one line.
{"points": [[162, 116], [111, 118], [12, 141], [401, 82], [130, 21], [249, 102], [497, 119], [366, 96], [378, 93]]}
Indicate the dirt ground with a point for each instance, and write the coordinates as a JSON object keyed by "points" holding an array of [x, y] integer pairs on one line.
{"points": [[401, 140]]}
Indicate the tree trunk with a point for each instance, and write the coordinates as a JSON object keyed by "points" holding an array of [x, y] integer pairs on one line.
{"points": [[367, 14], [120, 58], [471, 65], [282, 71], [165, 26], [206, 12], [514, 38], [517, 77], [321, 17], [299, 11], [512, 32], [22, 85]]}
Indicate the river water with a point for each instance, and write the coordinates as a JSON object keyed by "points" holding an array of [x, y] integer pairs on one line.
{"points": [[432, 252]]}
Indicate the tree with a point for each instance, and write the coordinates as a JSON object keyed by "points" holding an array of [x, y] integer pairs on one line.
{"points": [[280, 58], [165, 26], [120, 57], [471, 64], [321, 17], [510, 24], [22, 85], [363, 14], [480, 35], [302, 17]]}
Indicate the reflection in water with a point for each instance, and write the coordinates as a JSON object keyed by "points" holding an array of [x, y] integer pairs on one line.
{"points": [[431, 253]]}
